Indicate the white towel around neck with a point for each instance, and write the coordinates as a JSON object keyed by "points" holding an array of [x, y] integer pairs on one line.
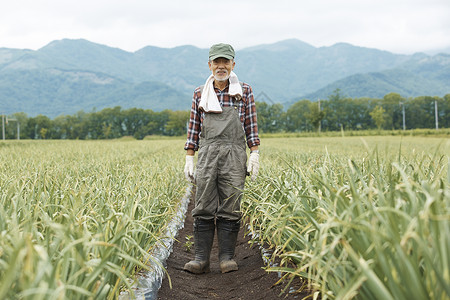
{"points": [[209, 101]]}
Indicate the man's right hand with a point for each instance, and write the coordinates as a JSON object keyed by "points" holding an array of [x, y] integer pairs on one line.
{"points": [[189, 168]]}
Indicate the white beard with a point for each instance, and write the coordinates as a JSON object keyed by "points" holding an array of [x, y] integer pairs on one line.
{"points": [[222, 78]]}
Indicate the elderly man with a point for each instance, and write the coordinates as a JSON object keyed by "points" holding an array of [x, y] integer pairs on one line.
{"points": [[222, 121]]}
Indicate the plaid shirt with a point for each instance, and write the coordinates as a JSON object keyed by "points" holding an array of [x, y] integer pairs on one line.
{"points": [[247, 114]]}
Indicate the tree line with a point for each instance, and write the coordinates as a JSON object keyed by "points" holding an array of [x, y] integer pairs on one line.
{"points": [[339, 112], [335, 113]]}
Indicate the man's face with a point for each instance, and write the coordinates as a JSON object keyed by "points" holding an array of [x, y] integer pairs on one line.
{"points": [[221, 68]]}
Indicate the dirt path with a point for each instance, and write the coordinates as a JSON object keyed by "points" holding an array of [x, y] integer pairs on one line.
{"points": [[249, 282]]}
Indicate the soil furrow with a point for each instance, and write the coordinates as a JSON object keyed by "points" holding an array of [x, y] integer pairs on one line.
{"points": [[251, 281]]}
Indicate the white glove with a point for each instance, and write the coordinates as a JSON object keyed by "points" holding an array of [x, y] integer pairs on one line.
{"points": [[189, 167], [253, 165]]}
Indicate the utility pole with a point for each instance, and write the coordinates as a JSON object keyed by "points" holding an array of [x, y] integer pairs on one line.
{"points": [[3, 126], [436, 114], [8, 120], [320, 122], [403, 112], [404, 123]]}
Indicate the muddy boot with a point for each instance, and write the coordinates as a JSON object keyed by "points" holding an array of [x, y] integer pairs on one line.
{"points": [[203, 240], [227, 232]]}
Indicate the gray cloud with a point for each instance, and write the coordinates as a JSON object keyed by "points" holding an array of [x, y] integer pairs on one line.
{"points": [[394, 25]]}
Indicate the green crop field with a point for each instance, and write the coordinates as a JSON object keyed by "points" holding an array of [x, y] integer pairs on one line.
{"points": [[364, 218], [78, 217]]}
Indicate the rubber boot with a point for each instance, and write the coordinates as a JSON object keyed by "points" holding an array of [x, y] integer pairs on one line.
{"points": [[227, 232], [203, 240]]}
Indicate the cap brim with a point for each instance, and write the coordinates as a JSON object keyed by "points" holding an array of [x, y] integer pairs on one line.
{"points": [[221, 55]]}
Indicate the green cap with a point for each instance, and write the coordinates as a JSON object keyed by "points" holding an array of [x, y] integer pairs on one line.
{"points": [[221, 50]]}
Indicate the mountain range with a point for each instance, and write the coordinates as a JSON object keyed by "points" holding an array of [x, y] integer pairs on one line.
{"points": [[67, 75]]}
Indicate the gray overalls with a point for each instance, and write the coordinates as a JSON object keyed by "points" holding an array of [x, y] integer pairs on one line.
{"points": [[220, 179], [221, 166]]}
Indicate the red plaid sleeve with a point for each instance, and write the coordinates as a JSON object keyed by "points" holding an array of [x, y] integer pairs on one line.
{"points": [[250, 119], [194, 123]]}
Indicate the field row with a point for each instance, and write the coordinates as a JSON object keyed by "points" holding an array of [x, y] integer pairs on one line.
{"points": [[357, 218], [76, 218]]}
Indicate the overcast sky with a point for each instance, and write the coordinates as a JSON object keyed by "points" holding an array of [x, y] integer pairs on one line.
{"points": [[399, 26]]}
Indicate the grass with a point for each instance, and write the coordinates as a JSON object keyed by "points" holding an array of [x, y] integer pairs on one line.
{"points": [[77, 217], [357, 218], [442, 133]]}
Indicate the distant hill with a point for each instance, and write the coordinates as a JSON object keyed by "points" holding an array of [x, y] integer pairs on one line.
{"points": [[71, 75], [427, 76], [53, 92]]}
